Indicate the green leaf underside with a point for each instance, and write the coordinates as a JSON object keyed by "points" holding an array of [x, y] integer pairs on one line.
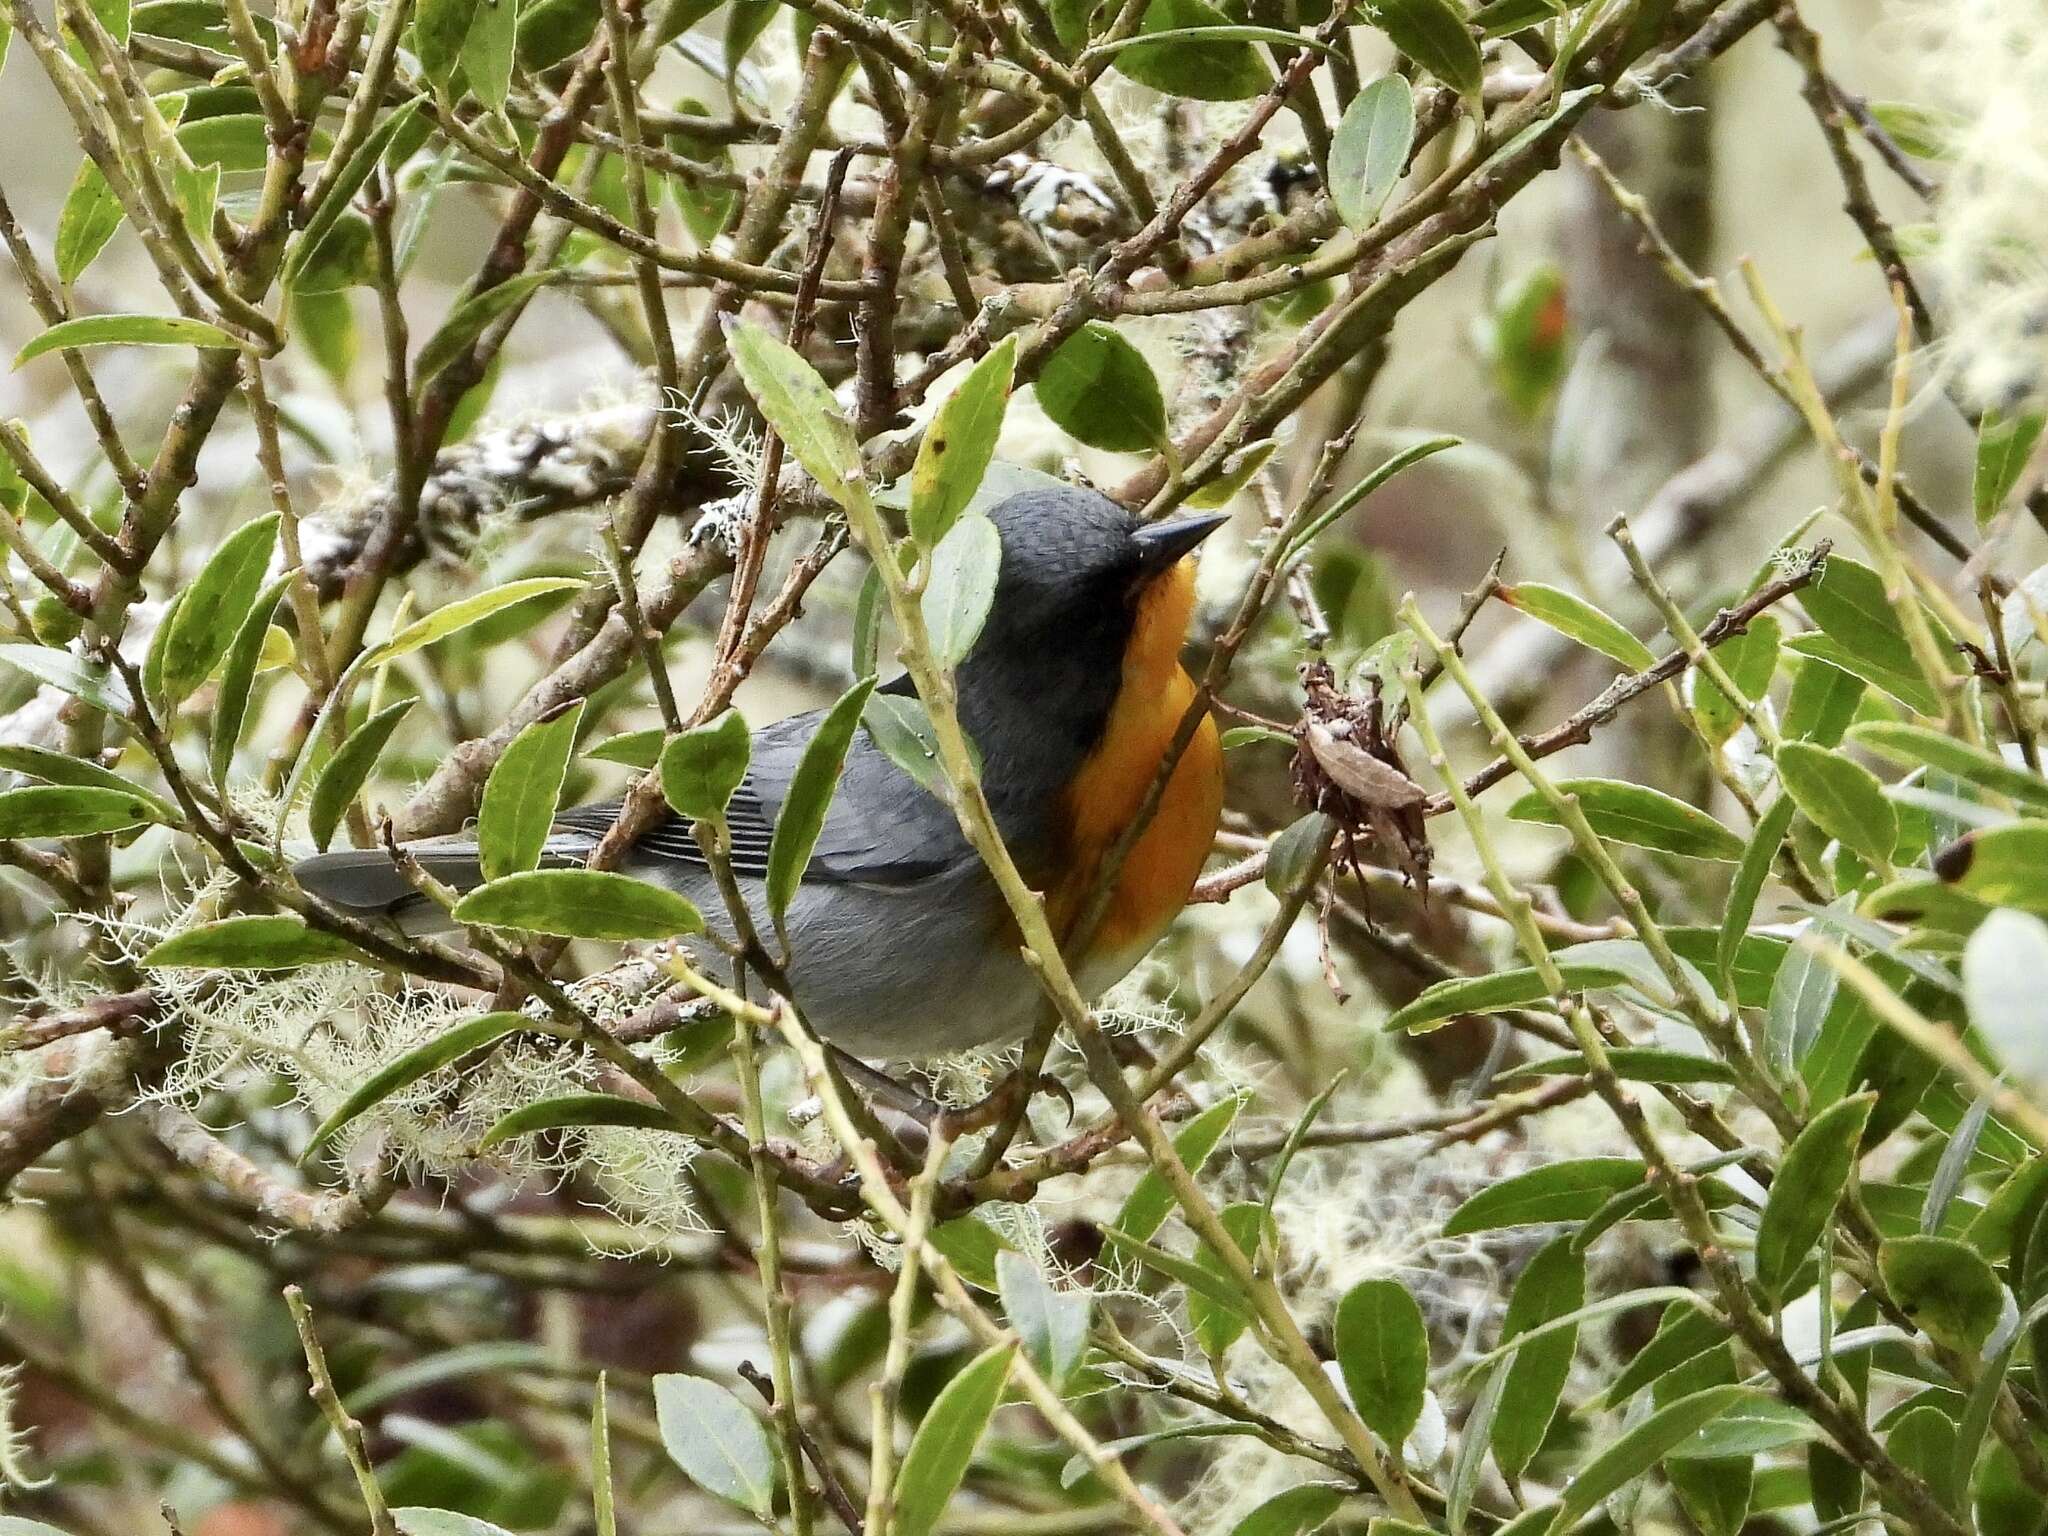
{"points": [[580, 904]]}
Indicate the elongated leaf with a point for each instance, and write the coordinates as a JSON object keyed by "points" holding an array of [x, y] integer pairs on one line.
{"points": [[269, 943], [1632, 1064], [1220, 1293], [54, 810], [347, 182], [902, 728], [1639, 816], [469, 319], [1369, 150], [1217, 1328], [1750, 660], [944, 1444], [1750, 875], [1824, 699], [1433, 33], [962, 586], [717, 1440], [211, 612], [1810, 1179], [1748, 1429], [1470, 1460], [1841, 797], [1382, 1348], [1684, 1334], [1946, 1287], [801, 408], [438, 28], [126, 331], [54, 767], [633, 749], [1521, 988], [973, 1248], [1642, 1447], [1208, 67], [238, 678], [1051, 1324], [1553, 1285], [574, 1111], [423, 1060], [1576, 619], [1098, 389], [1294, 1512], [1848, 602], [1918, 746], [1564, 1191], [703, 767], [455, 617], [580, 904], [342, 779], [810, 796], [2004, 444], [87, 221], [1909, 688], [958, 445], [417, 1520], [488, 50], [522, 794], [1148, 1205]]}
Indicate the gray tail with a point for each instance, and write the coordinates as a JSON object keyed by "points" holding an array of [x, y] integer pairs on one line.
{"points": [[365, 882]]}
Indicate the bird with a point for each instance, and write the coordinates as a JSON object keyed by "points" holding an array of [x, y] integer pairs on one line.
{"points": [[900, 945]]}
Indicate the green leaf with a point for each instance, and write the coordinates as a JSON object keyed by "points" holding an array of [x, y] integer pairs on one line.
{"points": [[1750, 659], [634, 749], [1520, 988], [523, 793], [126, 331], [1848, 602], [1683, 1334], [1217, 1328], [54, 767], [90, 681], [801, 408], [342, 779], [1150, 1201], [238, 679], [1919, 746], [1824, 698], [268, 943], [961, 587], [1470, 1459], [87, 221], [2004, 965], [1925, 133], [552, 30], [811, 789], [1632, 1064], [1551, 1286], [959, 444], [1757, 859], [902, 729], [1642, 1447], [702, 768], [1369, 150], [717, 1441], [211, 612], [580, 904], [488, 49], [347, 182], [944, 1444], [2000, 866], [54, 810], [1382, 1349], [422, 1061], [1295, 852], [1203, 69], [973, 1248], [452, 618], [578, 1111], [1809, 1183], [414, 1520], [1051, 1324], [1802, 994], [1570, 1190], [1577, 619], [438, 28], [1221, 1294], [1293, 1512], [1504, 18], [2004, 445], [1946, 1287], [1433, 33], [1099, 390], [469, 319], [1841, 797], [1639, 816]]}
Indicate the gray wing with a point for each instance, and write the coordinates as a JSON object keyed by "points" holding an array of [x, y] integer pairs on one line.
{"points": [[882, 827]]}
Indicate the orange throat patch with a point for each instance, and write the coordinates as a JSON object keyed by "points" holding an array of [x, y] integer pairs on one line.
{"points": [[1105, 794]]}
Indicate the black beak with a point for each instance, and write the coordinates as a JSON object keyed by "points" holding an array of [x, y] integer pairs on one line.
{"points": [[1160, 545]]}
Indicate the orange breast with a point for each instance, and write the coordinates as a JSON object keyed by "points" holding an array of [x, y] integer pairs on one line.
{"points": [[1104, 797]]}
